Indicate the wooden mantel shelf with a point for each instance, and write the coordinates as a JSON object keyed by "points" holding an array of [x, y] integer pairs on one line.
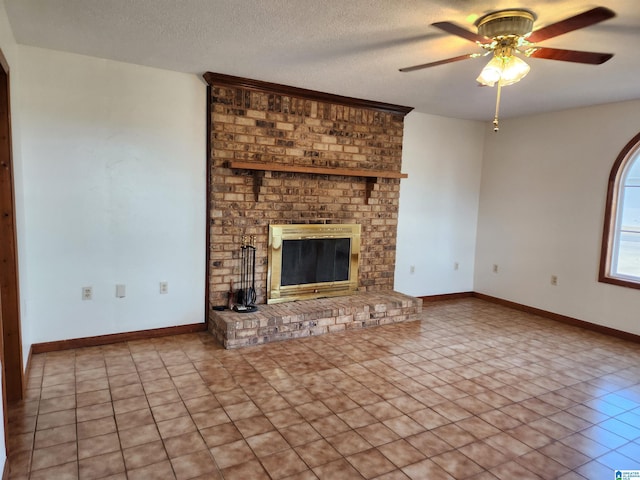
{"points": [[372, 176], [347, 172]]}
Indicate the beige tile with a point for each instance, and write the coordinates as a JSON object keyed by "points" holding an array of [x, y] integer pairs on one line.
{"points": [[404, 426], [163, 397], [339, 403], [168, 411], [130, 404], [313, 410], [93, 412], [348, 443], [202, 404], [484, 454], [225, 433], [317, 453], [98, 445], [457, 464], [401, 453], [99, 426], [161, 470], [427, 469], [92, 385], [238, 411], [136, 418], [267, 443], [330, 425], [233, 453], [140, 435], [54, 455], [57, 419], [211, 418], [68, 471], [271, 403], [57, 404], [93, 397], [175, 427], [429, 444], [340, 468], [50, 437], [542, 465], [382, 410], [284, 418], [377, 434], [127, 391], [300, 434], [145, 454], [283, 464], [357, 417], [194, 465], [243, 471], [159, 385], [123, 380], [371, 463], [101, 466], [454, 435], [184, 444]]}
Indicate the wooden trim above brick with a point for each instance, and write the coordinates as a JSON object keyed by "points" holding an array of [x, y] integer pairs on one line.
{"points": [[258, 85]]}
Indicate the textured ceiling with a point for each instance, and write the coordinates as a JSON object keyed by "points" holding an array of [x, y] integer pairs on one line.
{"points": [[352, 48]]}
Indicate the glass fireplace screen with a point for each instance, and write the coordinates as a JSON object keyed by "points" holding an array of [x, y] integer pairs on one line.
{"points": [[312, 261]]}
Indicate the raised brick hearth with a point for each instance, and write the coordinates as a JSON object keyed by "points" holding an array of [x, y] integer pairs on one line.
{"points": [[284, 321]]}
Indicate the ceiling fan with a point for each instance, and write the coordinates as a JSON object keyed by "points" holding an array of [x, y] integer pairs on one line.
{"points": [[509, 33]]}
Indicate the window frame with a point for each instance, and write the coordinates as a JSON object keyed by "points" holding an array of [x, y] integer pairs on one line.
{"points": [[631, 151]]}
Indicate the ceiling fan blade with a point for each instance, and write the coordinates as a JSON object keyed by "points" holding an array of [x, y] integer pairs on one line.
{"points": [[439, 62], [592, 58], [454, 29], [584, 19]]}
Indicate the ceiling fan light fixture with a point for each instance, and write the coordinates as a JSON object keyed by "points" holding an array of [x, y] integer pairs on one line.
{"points": [[503, 70]]}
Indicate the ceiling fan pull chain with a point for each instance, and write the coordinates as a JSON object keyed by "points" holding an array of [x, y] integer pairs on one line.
{"points": [[495, 118]]}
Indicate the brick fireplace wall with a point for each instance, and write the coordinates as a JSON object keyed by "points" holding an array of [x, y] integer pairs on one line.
{"points": [[269, 124]]}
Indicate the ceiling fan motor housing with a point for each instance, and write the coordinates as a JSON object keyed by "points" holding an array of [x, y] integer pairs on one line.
{"points": [[503, 23]]}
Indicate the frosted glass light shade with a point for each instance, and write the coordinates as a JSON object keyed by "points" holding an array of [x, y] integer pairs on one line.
{"points": [[515, 69], [491, 73], [506, 70]]}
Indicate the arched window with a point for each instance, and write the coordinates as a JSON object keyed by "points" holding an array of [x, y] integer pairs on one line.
{"points": [[620, 261]]}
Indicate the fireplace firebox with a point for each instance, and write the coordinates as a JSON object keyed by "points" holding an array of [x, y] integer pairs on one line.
{"points": [[312, 261]]}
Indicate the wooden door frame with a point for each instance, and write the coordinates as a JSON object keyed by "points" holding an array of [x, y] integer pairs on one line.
{"points": [[11, 350]]}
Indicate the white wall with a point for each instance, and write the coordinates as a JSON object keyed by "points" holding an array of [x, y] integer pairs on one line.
{"points": [[544, 183], [113, 162], [438, 204]]}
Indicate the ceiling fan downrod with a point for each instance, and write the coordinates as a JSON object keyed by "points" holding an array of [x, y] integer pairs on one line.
{"points": [[496, 127]]}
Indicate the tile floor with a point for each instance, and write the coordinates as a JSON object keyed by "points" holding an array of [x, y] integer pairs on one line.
{"points": [[473, 390]]}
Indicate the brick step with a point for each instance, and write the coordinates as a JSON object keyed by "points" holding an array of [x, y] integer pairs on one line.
{"points": [[283, 321]]}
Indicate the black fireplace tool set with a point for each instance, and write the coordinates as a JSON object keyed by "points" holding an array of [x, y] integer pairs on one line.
{"points": [[246, 295]]}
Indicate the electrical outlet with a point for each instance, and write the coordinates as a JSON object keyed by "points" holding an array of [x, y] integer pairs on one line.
{"points": [[412, 269], [164, 288], [87, 293], [121, 291], [554, 280], [495, 268], [456, 265]]}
